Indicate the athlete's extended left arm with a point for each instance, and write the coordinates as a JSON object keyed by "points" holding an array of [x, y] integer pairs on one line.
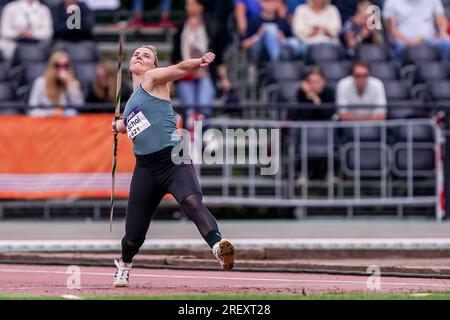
{"points": [[179, 70]]}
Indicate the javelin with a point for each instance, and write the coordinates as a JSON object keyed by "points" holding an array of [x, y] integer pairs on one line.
{"points": [[116, 117]]}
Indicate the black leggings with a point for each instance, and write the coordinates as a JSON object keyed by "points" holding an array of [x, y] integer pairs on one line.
{"points": [[154, 176]]}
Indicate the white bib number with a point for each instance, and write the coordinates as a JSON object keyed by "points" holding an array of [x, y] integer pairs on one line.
{"points": [[136, 123]]}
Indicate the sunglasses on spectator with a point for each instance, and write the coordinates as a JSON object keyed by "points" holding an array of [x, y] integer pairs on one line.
{"points": [[62, 65]]}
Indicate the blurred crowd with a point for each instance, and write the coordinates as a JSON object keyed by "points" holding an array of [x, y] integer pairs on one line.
{"points": [[344, 52], [340, 43]]}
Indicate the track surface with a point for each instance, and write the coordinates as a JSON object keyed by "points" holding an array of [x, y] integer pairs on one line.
{"points": [[52, 281]]}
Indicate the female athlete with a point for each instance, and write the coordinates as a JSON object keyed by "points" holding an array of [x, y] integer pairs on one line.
{"points": [[149, 120]]}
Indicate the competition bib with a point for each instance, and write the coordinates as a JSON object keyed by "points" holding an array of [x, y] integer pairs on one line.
{"points": [[136, 123]]}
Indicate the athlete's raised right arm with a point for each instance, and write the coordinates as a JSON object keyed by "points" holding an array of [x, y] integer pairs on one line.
{"points": [[159, 76]]}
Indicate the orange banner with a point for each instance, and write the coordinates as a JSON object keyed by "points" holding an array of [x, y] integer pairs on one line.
{"points": [[54, 157]]}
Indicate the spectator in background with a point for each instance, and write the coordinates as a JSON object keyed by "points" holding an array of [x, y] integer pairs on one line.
{"points": [[313, 89], [316, 22], [24, 21], [222, 11], [446, 4], [246, 10], [360, 89], [348, 8], [57, 88], [268, 32], [60, 18], [355, 31], [138, 10], [195, 36], [166, 5], [417, 22], [103, 89]]}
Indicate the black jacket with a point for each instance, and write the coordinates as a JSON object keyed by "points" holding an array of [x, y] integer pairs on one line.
{"points": [[214, 44], [60, 17]]}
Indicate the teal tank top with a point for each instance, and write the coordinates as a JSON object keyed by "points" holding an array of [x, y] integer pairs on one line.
{"points": [[151, 122]]}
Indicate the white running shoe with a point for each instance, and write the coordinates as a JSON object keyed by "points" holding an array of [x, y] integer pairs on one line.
{"points": [[122, 273], [224, 252]]}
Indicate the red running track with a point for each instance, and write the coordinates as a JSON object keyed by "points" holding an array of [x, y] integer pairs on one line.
{"points": [[43, 280]]}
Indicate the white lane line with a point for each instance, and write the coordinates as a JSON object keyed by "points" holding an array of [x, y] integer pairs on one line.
{"points": [[201, 277]]}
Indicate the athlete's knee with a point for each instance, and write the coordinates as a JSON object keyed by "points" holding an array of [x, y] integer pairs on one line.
{"points": [[192, 203]]}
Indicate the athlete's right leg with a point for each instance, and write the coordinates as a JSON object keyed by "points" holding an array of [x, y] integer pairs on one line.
{"points": [[145, 196]]}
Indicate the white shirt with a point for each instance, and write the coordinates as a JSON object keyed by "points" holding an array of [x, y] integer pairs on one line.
{"points": [[38, 96], [373, 95], [102, 4], [305, 19], [415, 18], [19, 15]]}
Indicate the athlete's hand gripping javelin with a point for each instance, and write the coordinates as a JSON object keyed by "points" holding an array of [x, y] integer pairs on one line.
{"points": [[118, 126]]}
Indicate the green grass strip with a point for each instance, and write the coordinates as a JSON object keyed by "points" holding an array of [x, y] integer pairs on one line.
{"points": [[326, 296]]}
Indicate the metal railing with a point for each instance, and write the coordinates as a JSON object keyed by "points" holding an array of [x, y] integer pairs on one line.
{"points": [[399, 177], [409, 170]]}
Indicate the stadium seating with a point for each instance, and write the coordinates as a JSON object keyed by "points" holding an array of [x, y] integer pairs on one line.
{"points": [[366, 134], [419, 54], [30, 72], [385, 70], [406, 109], [372, 158], [7, 99], [401, 101], [335, 70], [7, 109], [412, 85], [286, 91], [439, 90], [397, 90], [284, 71], [82, 52], [85, 73], [373, 53], [422, 161], [324, 52], [332, 84], [30, 52], [23, 77], [6, 92], [431, 71], [317, 141], [420, 133], [4, 70]]}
